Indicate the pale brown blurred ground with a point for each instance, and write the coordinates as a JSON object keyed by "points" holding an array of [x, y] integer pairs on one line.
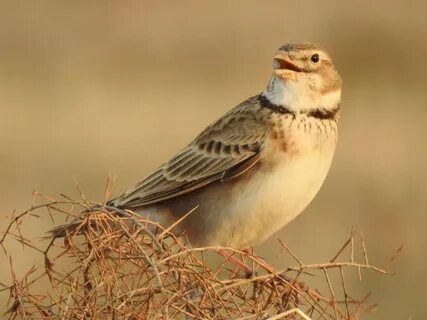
{"points": [[89, 89]]}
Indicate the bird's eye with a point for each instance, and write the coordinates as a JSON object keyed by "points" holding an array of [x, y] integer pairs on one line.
{"points": [[315, 58]]}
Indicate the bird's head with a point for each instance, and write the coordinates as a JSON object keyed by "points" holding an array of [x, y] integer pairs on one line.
{"points": [[303, 75]]}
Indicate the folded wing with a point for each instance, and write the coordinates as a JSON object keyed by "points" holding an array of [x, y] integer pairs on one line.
{"points": [[225, 150]]}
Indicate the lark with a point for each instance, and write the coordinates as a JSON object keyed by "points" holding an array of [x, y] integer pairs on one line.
{"points": [[256, 168]]}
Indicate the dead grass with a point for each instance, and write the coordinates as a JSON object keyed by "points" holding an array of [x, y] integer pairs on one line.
{"points": [[108, 265]]}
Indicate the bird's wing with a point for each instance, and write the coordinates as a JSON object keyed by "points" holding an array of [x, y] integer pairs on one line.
{"points": [[225, 150]]}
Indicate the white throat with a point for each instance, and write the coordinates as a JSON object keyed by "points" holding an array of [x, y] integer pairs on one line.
{"points": [[297, 95]]}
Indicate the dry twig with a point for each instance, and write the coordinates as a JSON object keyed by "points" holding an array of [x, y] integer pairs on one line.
{"points": [[107, 264]]}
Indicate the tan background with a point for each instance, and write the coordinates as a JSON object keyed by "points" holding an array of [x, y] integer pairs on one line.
{"points": [[89, 89]]}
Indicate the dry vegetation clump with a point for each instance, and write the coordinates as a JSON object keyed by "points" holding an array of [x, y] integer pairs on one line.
{"points": [[109, 265]]}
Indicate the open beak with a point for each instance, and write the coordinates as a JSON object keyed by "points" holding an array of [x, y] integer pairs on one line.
{"points": [[284, 68]]}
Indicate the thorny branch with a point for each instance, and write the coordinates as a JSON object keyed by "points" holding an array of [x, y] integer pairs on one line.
{"points": [[114, 264]]}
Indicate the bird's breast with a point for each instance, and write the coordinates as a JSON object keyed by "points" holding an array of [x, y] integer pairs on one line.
{"points": [[297, 158], [300, 135]]}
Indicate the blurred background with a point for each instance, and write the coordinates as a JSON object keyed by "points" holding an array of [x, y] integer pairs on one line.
{"points": [[99, 88]]}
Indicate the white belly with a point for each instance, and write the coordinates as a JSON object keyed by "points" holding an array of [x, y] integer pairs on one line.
{"points": [[249, 209], [273, 196]]}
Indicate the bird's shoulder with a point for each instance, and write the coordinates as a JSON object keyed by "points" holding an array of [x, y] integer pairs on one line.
{"points": [[244, 123], [226, 149]]}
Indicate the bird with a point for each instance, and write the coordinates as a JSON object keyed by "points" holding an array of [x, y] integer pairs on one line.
{"points": [[256, 168]]}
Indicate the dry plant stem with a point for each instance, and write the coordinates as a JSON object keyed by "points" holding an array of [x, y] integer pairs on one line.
{"points": [[288, 313], [16, 219], [338, 264], [341, 250], [115, 267], [365, 254], [228, 256], [332, 292], [290, 252], [168, 230]]}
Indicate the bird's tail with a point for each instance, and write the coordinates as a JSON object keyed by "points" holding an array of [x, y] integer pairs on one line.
{"points": [[78, 226]]}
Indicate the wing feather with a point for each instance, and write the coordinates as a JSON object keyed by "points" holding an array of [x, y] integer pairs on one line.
{"points": [[225, 150]]}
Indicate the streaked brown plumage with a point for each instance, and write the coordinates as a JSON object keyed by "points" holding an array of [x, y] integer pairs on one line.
{"points": [[257, 167]]}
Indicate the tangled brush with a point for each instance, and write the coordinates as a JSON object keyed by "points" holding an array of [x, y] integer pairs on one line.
{"points": [[102, 264]]}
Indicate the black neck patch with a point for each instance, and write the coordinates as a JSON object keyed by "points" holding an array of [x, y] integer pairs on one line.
{"points": [[318, 113], [322, 113], [265, 103]]}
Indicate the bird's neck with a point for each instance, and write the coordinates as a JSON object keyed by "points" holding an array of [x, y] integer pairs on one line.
{"points": [[299, 97]]}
